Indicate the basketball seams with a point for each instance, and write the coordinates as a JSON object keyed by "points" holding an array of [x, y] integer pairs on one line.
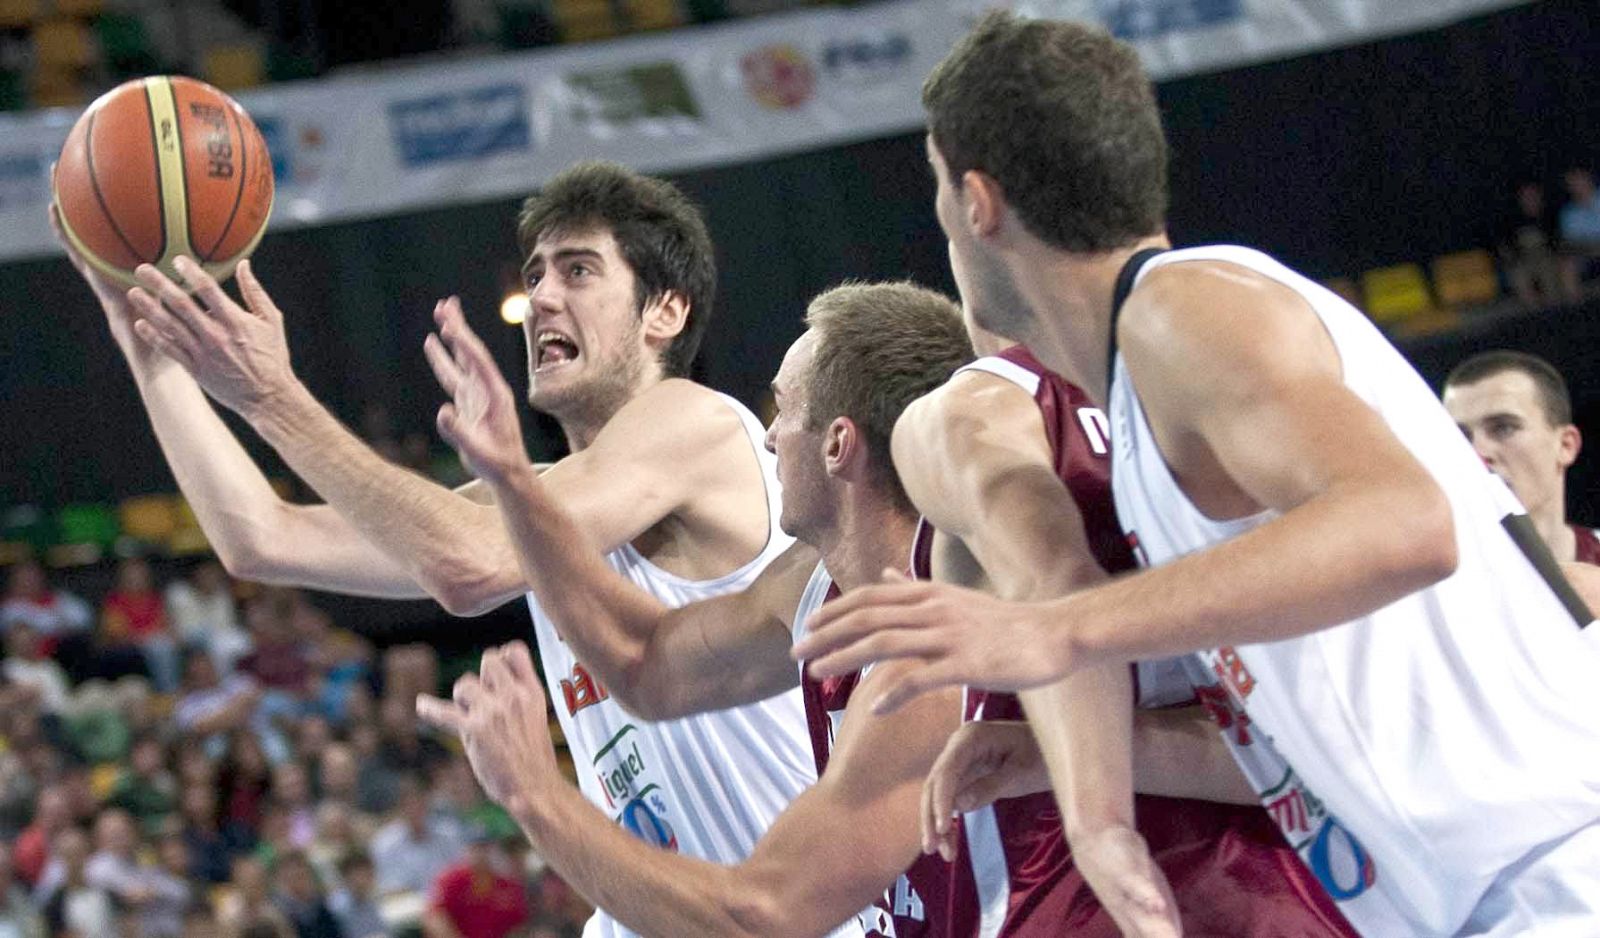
{"points": [[239, 191], [99, 196], [174, 184]]}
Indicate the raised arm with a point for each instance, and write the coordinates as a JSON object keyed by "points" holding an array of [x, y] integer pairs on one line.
{"points": [[829, 855], [975, 459], [257, 535], [673, 441]]}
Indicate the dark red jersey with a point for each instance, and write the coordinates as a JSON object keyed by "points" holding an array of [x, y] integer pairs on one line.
{"points": [[913, 907], [1588, 544], [1229, 867]]}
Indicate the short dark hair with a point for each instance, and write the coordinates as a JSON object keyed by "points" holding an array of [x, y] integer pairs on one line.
{"points": [[880, 346], [661, 234], [1554, 398], [1063, 117]]}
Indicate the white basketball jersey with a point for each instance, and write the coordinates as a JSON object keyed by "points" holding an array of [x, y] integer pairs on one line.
{"points": [[1412, 754], [707, 785]]}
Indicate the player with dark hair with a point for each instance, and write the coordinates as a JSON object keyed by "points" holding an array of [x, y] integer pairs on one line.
{"points": [[1517, 413], [1396, 660], [667, 478]]}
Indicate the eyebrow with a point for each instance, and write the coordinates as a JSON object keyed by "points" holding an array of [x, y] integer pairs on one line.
{"points": [[565, 254]]}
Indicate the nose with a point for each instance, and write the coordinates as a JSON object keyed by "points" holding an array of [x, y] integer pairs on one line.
{"points": [[771, 436], [545, 294]]}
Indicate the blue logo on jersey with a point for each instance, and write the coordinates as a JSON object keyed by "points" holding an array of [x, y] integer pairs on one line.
{"points": [[644, 821], [1335, 846]]}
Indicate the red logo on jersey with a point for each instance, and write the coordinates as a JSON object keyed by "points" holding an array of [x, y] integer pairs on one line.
{"points": [[1138, 549], [1230, 670], [1223, 713], [581, 690]]}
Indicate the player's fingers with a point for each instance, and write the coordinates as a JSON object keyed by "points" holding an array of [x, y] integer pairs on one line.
{"points": [[875, 634], [491, 671], [447, 422], [519, 662], [914, 683], [175, 332], [468, 690], [153, 337], [255, 295], [441, 713], [828, 617], [216, 301], [179, 304], [444, 367]]}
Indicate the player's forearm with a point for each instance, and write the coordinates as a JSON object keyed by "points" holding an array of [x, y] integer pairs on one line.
{"points": [[651, 891], [1084, 728], [1332, 559], [608, 622], [1179, 753], [443, 541]]}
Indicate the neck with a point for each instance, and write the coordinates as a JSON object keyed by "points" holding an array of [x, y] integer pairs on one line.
{"points": [[585, 419], [1069, 298], [872, 535], [1550, 520]]}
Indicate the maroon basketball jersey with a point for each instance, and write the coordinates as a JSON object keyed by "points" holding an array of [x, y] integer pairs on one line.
{"points": [[1229, 867], [1588, 544], [913, 907]]}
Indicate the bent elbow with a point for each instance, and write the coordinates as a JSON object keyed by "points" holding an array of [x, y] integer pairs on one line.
{"points": [[759, 913], [1431, 553], [463, 586]]}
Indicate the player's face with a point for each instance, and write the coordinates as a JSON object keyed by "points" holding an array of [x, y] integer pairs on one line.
{"points": [[989, 298], [1502, 417], [799, 450], [586, 345]]}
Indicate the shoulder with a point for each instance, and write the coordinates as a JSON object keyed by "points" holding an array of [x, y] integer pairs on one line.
{"points": [[948, 420], [677, 415]]}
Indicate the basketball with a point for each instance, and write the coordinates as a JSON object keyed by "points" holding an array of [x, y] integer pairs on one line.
{"points": [[159, 167]]}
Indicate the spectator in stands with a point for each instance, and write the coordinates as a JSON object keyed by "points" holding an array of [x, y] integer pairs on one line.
{"points": [[299, 897], [1529, 247], [1580, 218], [205, 615], [336, 838], [473, 899], [409, 670], [249, 909], [242, 786], [414, 848], [407, 747], [18, 916], [73, 902], [278, 661], [134, 615], [170, 890], [145, 788], [63, 619], [291, 789], [115, 865], [355, 904], [342, 658], [377, 785], [1515, 410], [28, 664], [212, 709], [210, 851], [30, 854]]}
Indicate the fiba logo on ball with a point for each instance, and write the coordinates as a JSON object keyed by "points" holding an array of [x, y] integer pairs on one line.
{"points": [[778, 76]]}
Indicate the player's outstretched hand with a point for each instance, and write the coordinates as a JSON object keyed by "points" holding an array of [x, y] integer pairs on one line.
{"points": [[113, 300], [480, 420], [499, 715], [959, 636], [1117, 864], [982, 763], [238, 354]]}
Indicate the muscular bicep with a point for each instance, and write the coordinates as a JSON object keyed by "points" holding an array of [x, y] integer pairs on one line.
{"points": [[847, 838], [726, 651]]}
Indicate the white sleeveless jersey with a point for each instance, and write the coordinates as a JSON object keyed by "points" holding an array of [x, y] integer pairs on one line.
{"points": [[707, 785], [1413, 754]]}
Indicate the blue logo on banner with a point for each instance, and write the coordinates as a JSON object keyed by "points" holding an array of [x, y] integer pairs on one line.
{"points": [[278, 144], [1146, 19], [463, 126], [24, 180], [867, 56]]}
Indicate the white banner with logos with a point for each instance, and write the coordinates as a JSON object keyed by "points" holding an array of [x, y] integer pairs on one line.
{"points": [[414, 137]]}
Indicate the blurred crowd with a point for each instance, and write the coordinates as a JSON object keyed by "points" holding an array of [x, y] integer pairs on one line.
{"points": [[1548, 249], [207, 759]]}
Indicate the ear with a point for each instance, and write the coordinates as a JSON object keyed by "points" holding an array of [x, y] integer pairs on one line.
{"points": [[1571, 444], [666, 317], [842, 447], [985, 202]]}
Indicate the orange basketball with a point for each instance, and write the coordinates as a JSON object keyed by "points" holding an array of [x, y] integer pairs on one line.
{"points": [[160, 167]]}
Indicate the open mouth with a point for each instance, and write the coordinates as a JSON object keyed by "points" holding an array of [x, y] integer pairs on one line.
{"points": [[553, 350]]}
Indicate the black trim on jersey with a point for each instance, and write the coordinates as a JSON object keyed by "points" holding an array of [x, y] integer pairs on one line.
{"points": [[1125, 279], [1527, 539]]}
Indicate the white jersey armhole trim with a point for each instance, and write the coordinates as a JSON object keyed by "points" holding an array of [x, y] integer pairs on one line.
{"points": [[1003, 368], [777, 541]]}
